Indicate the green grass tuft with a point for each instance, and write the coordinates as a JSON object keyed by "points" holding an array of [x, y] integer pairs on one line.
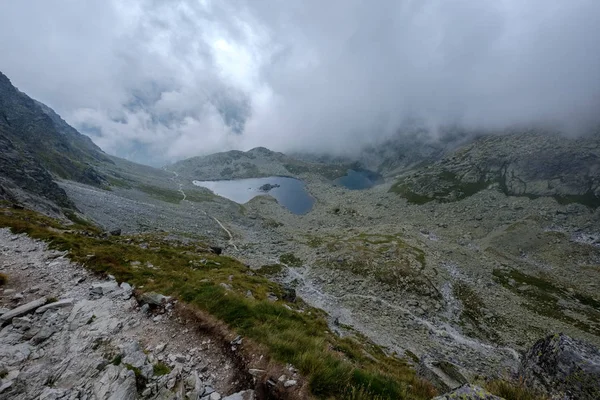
{"points": [[511, 391], [160, 369]]}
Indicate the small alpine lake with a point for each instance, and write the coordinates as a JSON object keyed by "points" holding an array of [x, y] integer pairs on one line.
{"points": [[289, 192], [359, 179]]}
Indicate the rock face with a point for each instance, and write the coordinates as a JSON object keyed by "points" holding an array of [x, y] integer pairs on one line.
{"points": [[468, 392], [563, 366], [35, 143], [522, 164]]}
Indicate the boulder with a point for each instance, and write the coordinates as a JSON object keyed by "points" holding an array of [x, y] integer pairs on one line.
{"points": [[563, 366], [153, 299], [104, 287], [468, 392], [21, 310], [55, 305], [442, 374]]}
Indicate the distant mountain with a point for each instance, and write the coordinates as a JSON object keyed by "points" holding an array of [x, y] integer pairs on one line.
{"points": [[37, 145], [532, 164], [258, 162]]}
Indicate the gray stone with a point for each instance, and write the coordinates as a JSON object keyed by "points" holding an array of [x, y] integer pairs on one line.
{"points": [[22, 310], [17, 297], [115, 384], [55, 305], [153, 299], [6, 386], [468, 392], [21, 322], [442, 374], [290, 383], [104, 287], [244, 395], [43, 335], [563, 366]]}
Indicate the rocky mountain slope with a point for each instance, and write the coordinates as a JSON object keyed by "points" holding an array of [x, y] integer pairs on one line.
{"points": [[441, 276], [531, 164], [35, 138]]}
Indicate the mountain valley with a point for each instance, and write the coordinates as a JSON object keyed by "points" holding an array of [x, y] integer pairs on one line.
{"points": [[452, 266]]}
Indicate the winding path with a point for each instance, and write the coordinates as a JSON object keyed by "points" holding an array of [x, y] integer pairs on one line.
{"points": [[180, 190]]}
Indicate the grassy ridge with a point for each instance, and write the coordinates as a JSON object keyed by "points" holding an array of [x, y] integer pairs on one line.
{"points": [[291, 332]]}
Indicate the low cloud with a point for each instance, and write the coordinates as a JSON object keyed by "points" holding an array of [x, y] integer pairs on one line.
{"points": [[156, 80]]}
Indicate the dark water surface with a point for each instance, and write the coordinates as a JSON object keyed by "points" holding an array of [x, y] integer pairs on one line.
{"points": [[289, 192], [359, 180]]}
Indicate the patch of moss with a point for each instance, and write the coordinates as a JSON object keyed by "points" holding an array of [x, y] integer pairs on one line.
{"points": [[272, 269], [198, 196], [117, 360]]}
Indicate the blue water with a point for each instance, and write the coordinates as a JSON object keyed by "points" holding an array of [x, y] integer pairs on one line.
{"points": [[291, 193], [359, 180]]}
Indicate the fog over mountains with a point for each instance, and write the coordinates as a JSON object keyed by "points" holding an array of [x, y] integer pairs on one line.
{"points": [[160, 81]]}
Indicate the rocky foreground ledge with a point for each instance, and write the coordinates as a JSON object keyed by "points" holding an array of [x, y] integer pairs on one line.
{"points": [[70, 335], [67, 334]]}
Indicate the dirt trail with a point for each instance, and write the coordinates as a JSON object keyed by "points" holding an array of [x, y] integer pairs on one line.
{"points": [[89, 343], [180, 185]]}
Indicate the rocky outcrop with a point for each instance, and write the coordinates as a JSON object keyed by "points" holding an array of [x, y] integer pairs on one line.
{"points": [[35, 143], [468, 392], [23, 179], [563, 366], [532, 164]]}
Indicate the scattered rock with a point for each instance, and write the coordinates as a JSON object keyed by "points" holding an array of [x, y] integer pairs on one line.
{"points": [[21, 310], [53, 306], [245, 395], [290, 383], [468, 392]]}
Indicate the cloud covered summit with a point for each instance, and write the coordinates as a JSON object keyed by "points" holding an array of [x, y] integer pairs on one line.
{"points": [[156, 81]]}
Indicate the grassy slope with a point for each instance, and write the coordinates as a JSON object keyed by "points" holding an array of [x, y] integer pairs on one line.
{"points": [[290, 332]]}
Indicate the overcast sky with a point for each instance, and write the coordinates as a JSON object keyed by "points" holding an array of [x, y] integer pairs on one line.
{"points": [[160, 80]]}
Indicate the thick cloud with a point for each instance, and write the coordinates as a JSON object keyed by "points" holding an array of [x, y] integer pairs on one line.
{"points": [[158, 80]]}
